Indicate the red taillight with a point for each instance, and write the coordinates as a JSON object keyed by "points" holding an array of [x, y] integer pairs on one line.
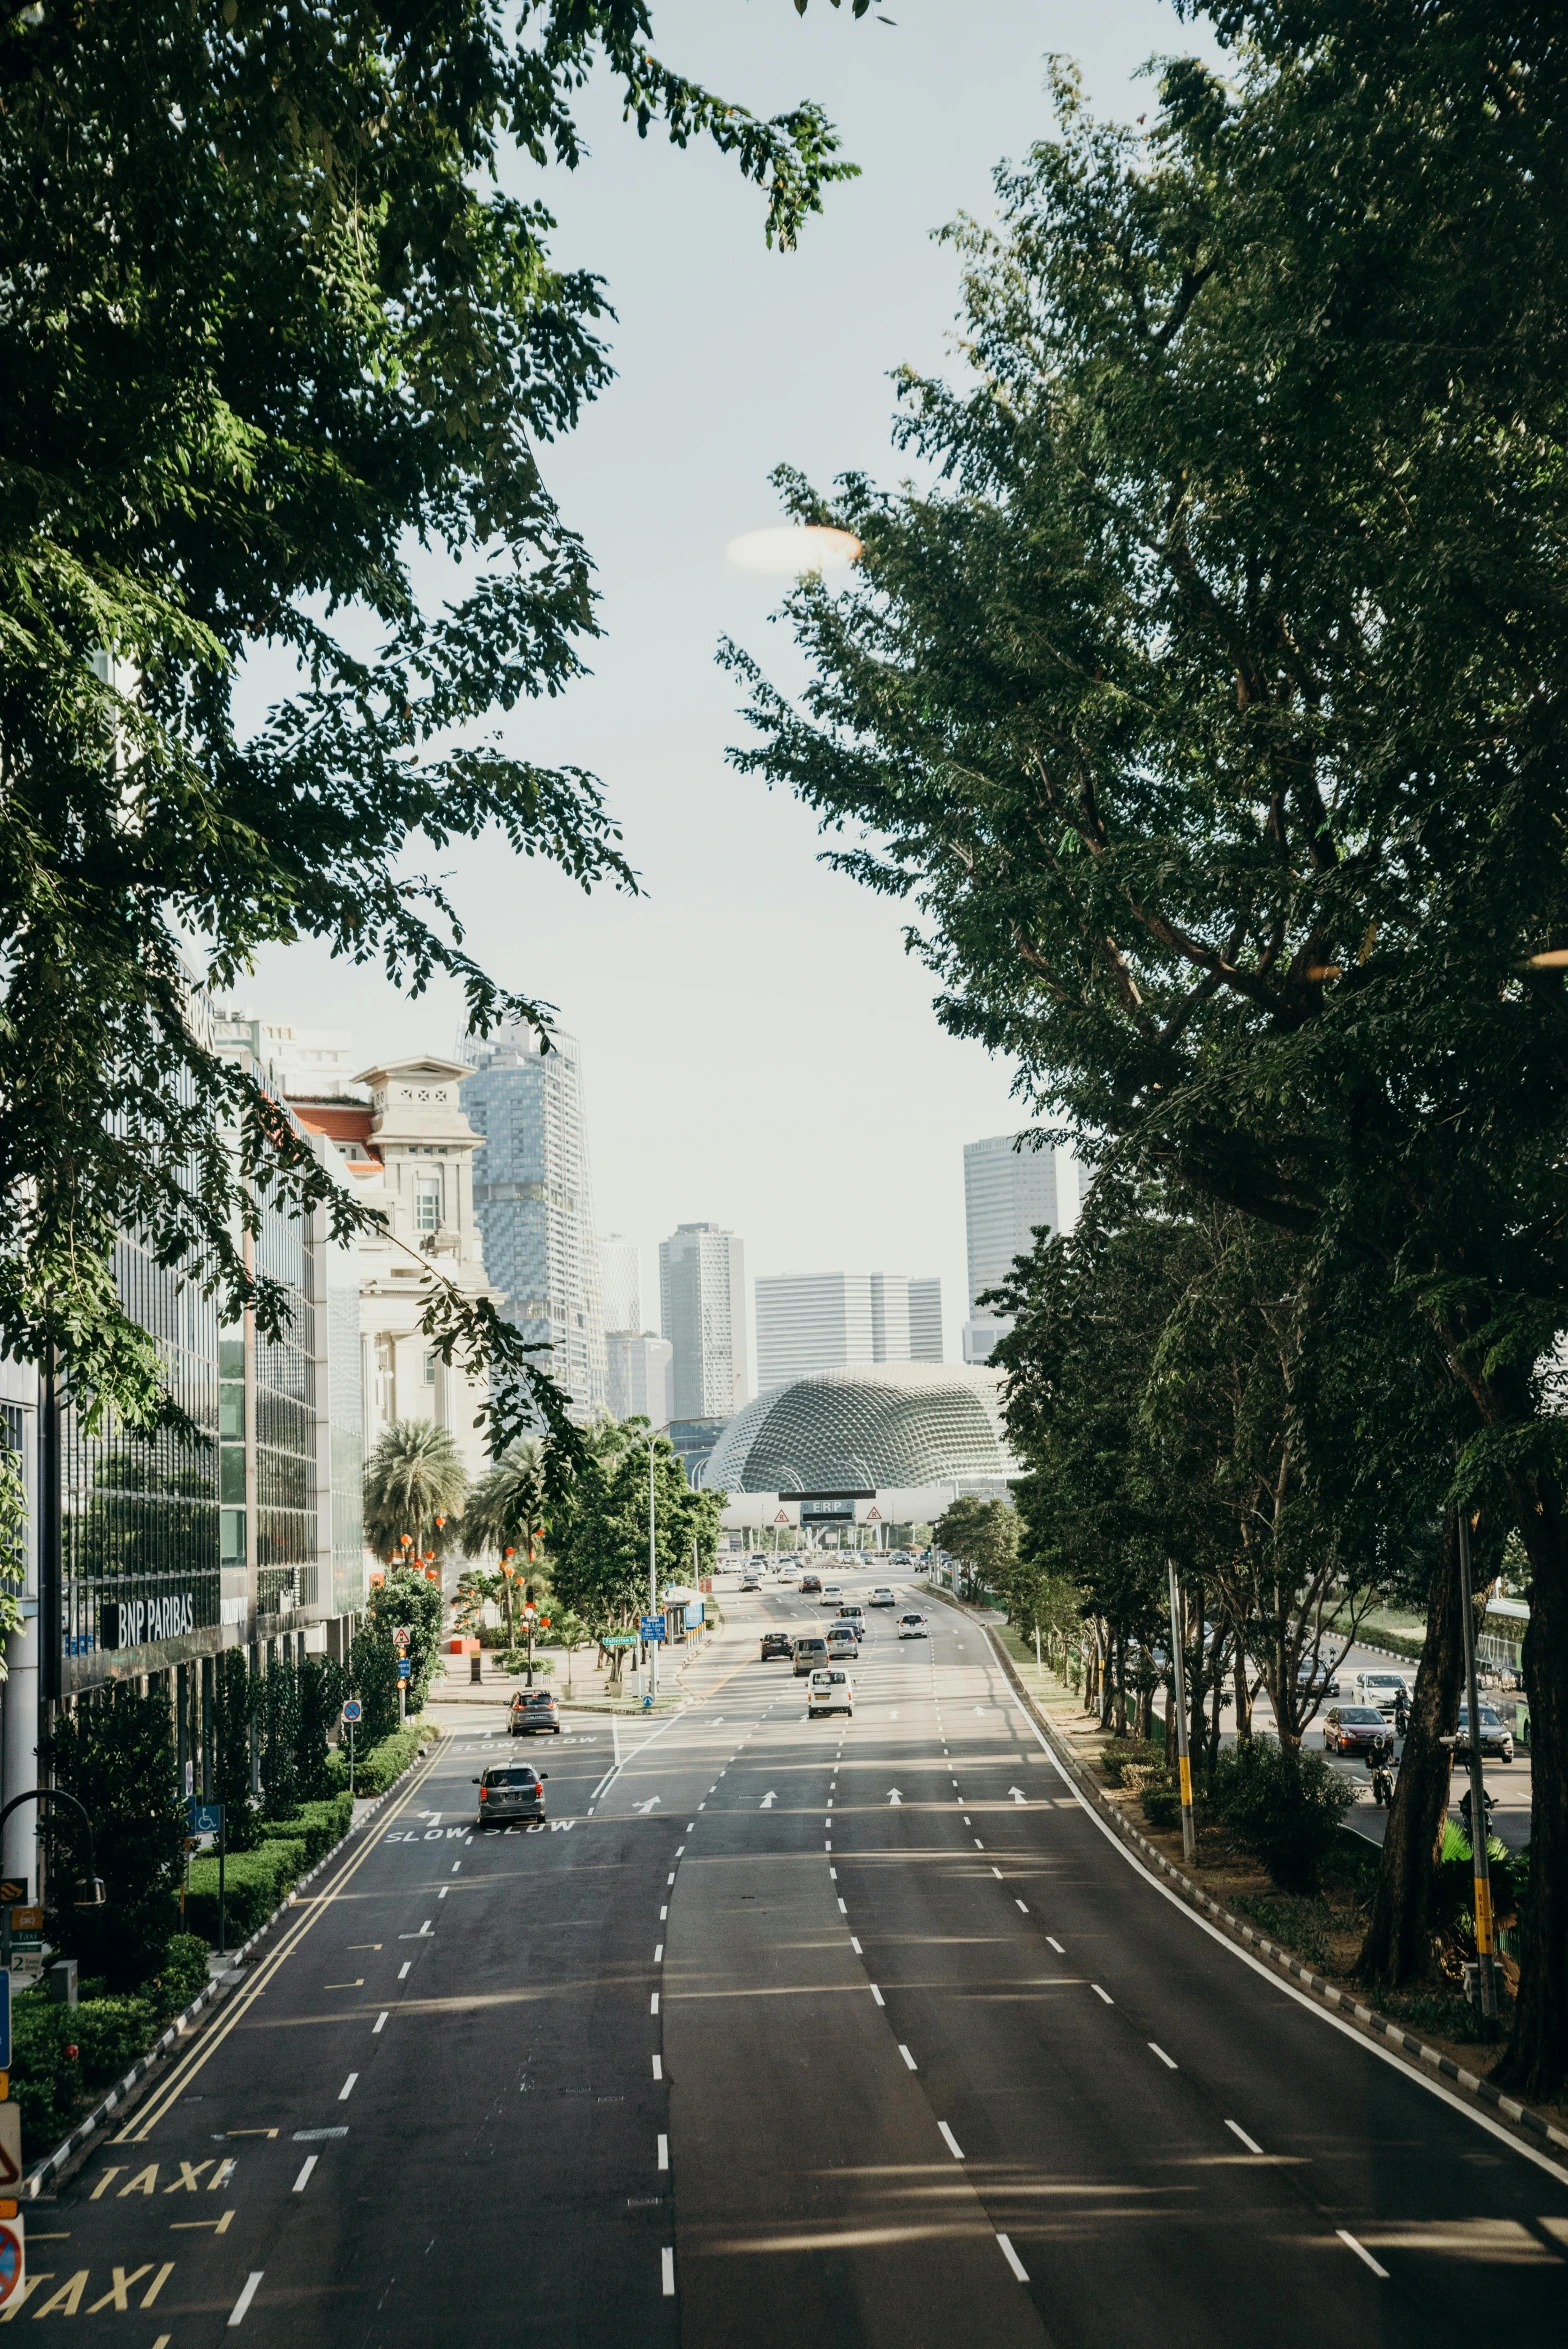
{"points": [[484, 1794]]}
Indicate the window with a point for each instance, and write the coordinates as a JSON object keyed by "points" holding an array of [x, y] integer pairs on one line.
{"points": [[430, 1370], [427, 1203]]}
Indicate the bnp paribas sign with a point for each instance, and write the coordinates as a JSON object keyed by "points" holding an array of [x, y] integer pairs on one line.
{"points": [[140, 1623]]}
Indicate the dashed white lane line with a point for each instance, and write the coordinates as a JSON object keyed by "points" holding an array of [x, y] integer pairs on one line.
{"points": [[1056, 1945], [1025, 1907], [1099, 1993], [379, 2025], [237, 2312], [979, 1846], [680, 1847], [1344, 2235], [670, 1879], [667, 2270], [658, 1953], [664, 2153], [997, 1873], [842, 1910], [1013, 2260], [303, 2180], [402, 1972], [653, 2007], [877, 1995], [908, 2058], [1237, 2130], [950, 2141], [855, 1946], [663, 1913], [347, 2089], [658, 2067], [456, 1864], [1169, 2061]]}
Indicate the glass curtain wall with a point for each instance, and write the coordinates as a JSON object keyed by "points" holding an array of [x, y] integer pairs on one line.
{"points": [[286, 1498]]}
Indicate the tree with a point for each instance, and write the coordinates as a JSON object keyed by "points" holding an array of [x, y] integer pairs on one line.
{"points": [[404, 1601], [1212, 704], [415, 1484], [233, 1714], [982, 1536], [505, 1513], [599, 1535], [274, 319], [115, 1755]]}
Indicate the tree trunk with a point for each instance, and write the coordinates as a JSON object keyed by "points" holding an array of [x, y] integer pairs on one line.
{"points": [[1243, 1693], [1121, 1682], [1535, 2061], [1397, 1946]]}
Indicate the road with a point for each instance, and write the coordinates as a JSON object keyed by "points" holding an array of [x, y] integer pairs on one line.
{"points": [[861, 2032]]}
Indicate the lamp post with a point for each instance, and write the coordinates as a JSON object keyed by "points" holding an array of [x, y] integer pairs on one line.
{"points": [[1478, 1831], [89, 1892], [652, 1438], [1189, 1841]]}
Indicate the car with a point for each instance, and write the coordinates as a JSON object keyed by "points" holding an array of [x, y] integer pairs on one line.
{"points": [[509, 1791], [851, 1612], [1382, 1689], [1350, 1729], [883, 1597], [1496, 1736], [842, 1641], [809, 1652], [811, 1582], [829, 1691], [1316, 1679], [750, 1582], [912, 1626], [777, 1646], [532, 1710], [831, 1590]]}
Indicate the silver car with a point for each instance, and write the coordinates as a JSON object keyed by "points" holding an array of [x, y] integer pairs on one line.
{"points": [[510, 1791]]}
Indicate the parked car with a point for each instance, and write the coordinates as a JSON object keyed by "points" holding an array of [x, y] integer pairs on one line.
{"points": [[1497, 1743], [1351, 1729], [810, 1582], [830, 1691], [883, 1597], [777, 1646], [507, 1793], [1380, 1688], [912, 1626], [534, 1709], [810, 1651]]}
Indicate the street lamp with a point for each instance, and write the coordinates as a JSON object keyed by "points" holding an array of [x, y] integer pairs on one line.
{"points": [[651, 1439], [89, 1892]]}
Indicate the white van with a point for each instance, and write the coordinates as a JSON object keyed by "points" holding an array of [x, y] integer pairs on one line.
{"points": [[830, 1691]]}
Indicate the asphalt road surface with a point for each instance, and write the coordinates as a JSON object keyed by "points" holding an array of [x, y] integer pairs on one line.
{"points": [[858, 2031]]}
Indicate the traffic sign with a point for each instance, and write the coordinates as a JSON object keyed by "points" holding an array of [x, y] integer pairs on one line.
{"points": [[401, 1635], [10, 2147], [653, 1627], [11, 1890], [13, 2259], [619, 1639], [27, 1928], [353, 1710], [5, 2020], [405, 1670], [205, 1818]]}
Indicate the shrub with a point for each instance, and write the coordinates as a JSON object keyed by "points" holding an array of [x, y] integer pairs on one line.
{"points": [[181, 1977], [50, 2087], [1121, 1754], [375, 1768], [115, 1756], [1161, 1806], [318, 1825], [1283, 1809], [254, 1885]]}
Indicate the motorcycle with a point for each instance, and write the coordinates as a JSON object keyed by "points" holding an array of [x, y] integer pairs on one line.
{"points": [[1383, 1776], [1488, 1801]]}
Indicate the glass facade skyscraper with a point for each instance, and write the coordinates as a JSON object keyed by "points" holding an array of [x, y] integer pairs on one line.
{"points": [[702, 1302], [1008, 1194], [533, 1199]]}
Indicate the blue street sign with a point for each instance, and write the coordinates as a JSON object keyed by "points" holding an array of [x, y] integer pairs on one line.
{"points": [[205, 1818], [653, 1627], [5, 2020], [405, 1669], [353, 1710]]}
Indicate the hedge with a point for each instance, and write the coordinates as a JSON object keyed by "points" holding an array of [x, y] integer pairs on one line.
{"points": [[52, 2089], [375, 1769], [319, 1824], [255, 1883]]}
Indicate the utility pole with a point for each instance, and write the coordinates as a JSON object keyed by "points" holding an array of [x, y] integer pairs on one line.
{"points": [[653, 1583], [1189, 1840], [1478, 1830]]}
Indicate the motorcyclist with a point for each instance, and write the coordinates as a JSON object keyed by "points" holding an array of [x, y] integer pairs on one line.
{"points": [[1401, 1711], [1380, 1760], [1487, 1800]]}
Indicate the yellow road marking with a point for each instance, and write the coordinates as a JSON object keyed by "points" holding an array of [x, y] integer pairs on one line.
{"points": [[140, 2128], [184, 2226], [118, 2294]]}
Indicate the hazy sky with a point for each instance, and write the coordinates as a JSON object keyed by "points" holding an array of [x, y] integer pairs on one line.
{"points": [[758, 1048]]}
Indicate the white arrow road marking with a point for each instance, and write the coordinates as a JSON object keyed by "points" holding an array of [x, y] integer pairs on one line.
{"points": [[1018, 1794], [893, 1795], [768, 1800], [648, 1805]]}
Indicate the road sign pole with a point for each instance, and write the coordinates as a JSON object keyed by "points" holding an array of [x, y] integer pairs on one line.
{"points": [[1478, 1831], [653, 1585], [223, 1854], [351, 1761], [1189, 1840]]}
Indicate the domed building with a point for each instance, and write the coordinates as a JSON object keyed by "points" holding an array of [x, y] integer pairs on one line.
{"points": [[907, 1435]]}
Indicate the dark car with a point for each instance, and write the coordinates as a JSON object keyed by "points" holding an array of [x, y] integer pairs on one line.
{"points": [[1496, 1737], [534, 1709], [1352, 1729], [1317, 1679], [777, 1647], [809, 1582], [508, 1792]]}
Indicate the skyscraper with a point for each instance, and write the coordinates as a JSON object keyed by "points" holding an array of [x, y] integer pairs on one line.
{"points": [[639, 1370], [1008, 1193], [702, 1301], [620, 1274], [534, 1201], [810, 1322]]}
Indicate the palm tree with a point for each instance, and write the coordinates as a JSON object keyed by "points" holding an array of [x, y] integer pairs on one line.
{"points": [[415, 1484], [505, 1514]]}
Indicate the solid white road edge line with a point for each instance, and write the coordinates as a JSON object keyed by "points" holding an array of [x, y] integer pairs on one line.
{"points": [[1344, 2235], [1277, 1981], [950, 2141], [1013, 2260], [1237, 2130]]}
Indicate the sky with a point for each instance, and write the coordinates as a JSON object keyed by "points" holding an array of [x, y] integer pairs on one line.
{"points": [[758, 1048]]}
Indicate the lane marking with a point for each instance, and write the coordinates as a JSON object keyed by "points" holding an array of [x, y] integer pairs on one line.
{"points": [[663, 1913], [842, 1910], [658, 2067], [303, 2180], [951, 2142], [908, 2058], [877, 1995], [1099, 1993], [379, 2025], [658, 1953], [402, 1972], [855, 1946], [1361, 2252], [1237, 2130], [347, 2089], [1056, 1945], [1013, 2260], [664, 2153], [1025, 1907], [667, 2270], [237, 2313], [1169, 2061], [979, 1846], [456, 1865], [997, 1873], [654, 2008]]}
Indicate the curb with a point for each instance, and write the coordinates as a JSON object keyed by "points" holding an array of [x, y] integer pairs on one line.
{"points": [[1525, 2123], [51, 2166]]}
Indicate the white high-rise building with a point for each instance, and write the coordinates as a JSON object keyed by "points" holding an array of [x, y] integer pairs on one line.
{"points": [[534, 1200], [639, 1369], [811, 1322], [702, 1303], [620, 1276], [1008, 1194]]}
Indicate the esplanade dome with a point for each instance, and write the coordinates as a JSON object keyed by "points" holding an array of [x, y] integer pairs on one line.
{"points": [[865, 1429]]}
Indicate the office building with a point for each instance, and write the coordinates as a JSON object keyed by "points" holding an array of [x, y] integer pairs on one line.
{"points": [[702, 1305], [620, 1280], [534, 1200], [809, 1322], [639, 1375], [1009, 1194]]}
